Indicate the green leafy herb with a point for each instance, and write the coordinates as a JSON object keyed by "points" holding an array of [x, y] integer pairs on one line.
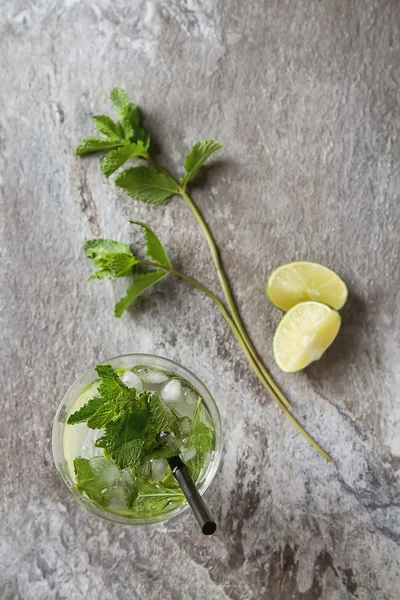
{"points": [[126, 139], [122, 413], [139, 285], [200, 437], [112, 259], [154, 248], [116, 158], [161, 416], [94, 144], [157, 186], [155, 498], [197, 157], [87, 411], [94, 476], [120, 100], [147, 185], [107, 126]]}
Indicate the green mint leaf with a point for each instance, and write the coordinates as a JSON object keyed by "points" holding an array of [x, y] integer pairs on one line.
{"points": [[130, 121], [94, 476], [120, 99], [131, 494], [160, 415], [155, 498], [147, 185], [197, 157], [116, 158], [123, 437], [107, 412], [139, 285], [123, 440], [112, 259], [154, 248], [84, 413], [128, 129], [132, 115], [111, 388], [107, 126], [202, 438], [117, 265], [127, 454], [99, 248], [93, 144], [141, 136]]}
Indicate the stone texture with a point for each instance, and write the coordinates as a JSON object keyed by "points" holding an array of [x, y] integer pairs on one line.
{"points": [[305, 97]]}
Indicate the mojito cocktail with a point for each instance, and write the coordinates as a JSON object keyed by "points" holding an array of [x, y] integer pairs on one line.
{"points": [[117, 427]]}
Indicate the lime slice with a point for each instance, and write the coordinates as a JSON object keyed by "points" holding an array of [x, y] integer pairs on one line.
{"points": [[303, 335], [300, 281]]}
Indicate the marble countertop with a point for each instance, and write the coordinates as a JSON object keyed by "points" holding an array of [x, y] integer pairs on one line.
{"points": [[305, 98]]}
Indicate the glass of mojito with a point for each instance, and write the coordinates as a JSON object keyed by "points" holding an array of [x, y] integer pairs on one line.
{"points": [[118, 425]]}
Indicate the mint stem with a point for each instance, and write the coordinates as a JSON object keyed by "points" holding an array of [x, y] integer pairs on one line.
{"points": [[221, 307], [267, 379]]}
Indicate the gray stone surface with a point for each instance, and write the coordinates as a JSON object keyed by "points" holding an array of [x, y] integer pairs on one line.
{"points": [[305, 97]]}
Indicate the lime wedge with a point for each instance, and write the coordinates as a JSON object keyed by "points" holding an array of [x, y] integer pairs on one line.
{"points": [[303, 335], [300, 281]]}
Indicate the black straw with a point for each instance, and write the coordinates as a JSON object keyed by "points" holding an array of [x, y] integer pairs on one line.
{"points": [[201, 512]]}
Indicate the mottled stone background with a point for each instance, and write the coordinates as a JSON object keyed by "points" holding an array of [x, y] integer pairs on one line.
{"points": [[305, 97]]}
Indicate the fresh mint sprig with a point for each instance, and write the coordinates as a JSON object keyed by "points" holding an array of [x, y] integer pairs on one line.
{"points": [[155, 185]]}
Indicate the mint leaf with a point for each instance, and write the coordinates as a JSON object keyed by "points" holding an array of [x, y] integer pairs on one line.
{"points": [[107, 412], [120, 99], [111, 388], [155, 498], [107, 126], [147, 185], [99, 248], [139, 285], [202, 438], [154, 248], [131, 494], [127, 454], [84, 413], [197, 157], [116, 158], [94, 476], [93, 144], [113, 259], [131, 115], [123, 438], [130, 121], [160, 415], [142, 136]]}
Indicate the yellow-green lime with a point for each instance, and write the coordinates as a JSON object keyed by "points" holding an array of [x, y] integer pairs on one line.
{"points": [[301, 281], [303, 335]]}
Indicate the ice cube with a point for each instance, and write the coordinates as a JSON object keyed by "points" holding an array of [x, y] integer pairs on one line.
{"points": [[158, 468], [156, 377], [104, 469], [184, 426], [188, 453], [88, 449], [152, 376], [131, 380], [182, 408], [190, 396], [171, 391]]}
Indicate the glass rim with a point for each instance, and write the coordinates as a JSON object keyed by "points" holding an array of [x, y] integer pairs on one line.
{"points": [[174, 367]]}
